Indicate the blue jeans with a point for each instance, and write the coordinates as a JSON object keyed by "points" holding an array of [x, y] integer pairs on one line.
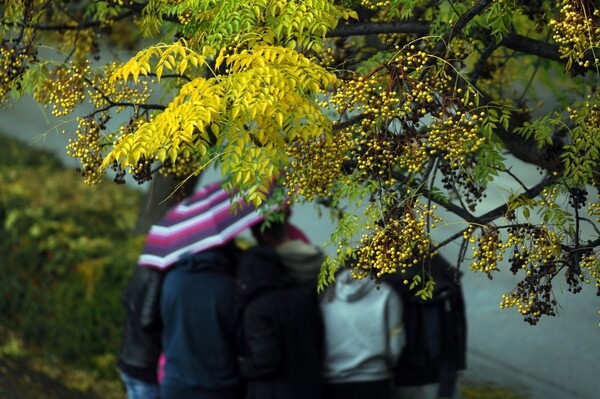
{"points": [[138, 389]]}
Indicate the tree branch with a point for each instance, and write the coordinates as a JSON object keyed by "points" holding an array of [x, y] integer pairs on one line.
{"points": [[462, 21], [371, 28], [512, 41], [488, 216]]}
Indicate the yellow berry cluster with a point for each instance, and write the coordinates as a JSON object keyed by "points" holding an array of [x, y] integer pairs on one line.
{"points": [[413, 155], [103, 93], [325, 57], [461, 48], [371, 96], [455, 137], [316, 164], [120, 3], [353, 95], [395, 244], [544, 247], [80, 42], [185, 17], [587, 114], [63, 88], [393, 101], [549, 197], [185, 165], [533, 298], [488, 252], [534, 246], [577, 30], [591, 264], [377, 156], [394, 38], [524, 305], [13, 62], [594, 210], [87, 148], [375, 4]]}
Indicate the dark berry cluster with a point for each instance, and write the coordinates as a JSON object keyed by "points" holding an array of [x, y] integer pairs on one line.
{"points": [[461, 182], [578, 197]]}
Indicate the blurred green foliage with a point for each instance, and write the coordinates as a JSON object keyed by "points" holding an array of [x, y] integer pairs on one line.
{"points": [[66, 251]]}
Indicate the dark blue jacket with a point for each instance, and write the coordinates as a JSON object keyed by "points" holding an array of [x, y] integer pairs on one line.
{"points": [[199, 322]]}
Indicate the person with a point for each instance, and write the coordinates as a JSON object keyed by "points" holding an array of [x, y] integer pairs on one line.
{"points": [[363, 337], [141, 344], [301, 260], [281, 335], [200, 317], [435, 351]]}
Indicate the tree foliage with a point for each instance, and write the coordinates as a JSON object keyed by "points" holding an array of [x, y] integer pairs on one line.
{"points": [[414, 108], [66, 255]]}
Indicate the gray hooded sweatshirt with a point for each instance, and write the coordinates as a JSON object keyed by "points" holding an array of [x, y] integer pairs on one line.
{"points": [[363, 330], [302, 261]]}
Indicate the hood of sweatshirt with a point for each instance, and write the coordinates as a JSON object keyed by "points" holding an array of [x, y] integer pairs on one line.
{"points": [[301, 261], [259, 269], [217, 259], [350, 289]]}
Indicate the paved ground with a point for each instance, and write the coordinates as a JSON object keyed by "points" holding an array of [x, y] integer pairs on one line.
{"points": [[558, 358]]}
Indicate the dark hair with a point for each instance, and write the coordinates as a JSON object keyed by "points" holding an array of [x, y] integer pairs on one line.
{"points": [[271, 228]]}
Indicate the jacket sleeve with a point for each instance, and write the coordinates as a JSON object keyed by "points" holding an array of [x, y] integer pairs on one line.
{"points": [[149, 298], [262, 343], [396, 333]]}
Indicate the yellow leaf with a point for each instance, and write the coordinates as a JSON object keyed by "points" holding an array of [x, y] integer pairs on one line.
{"points": [[235, 111], [202, 149], [135, 156], [220, 58], [161, 155], [247, 177], [238, 150], [207, 51], [173, 154], [135, 72], [188, 131], [183, 66], [253, 198]]}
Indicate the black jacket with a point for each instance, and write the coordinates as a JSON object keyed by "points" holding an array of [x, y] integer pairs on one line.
{"points": [[141, 345], [282, 330], [200, 322], [436, 329]]}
